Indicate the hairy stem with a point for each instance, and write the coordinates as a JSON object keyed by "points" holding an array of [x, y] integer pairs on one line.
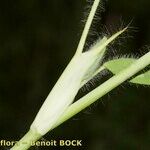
{"points": [[87, 27], [90, 98], [106, 87]]}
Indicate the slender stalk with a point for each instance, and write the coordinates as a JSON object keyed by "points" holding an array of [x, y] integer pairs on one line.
{"points": [[87, 27], [103, 89]]}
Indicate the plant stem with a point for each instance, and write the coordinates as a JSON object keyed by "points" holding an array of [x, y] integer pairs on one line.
{"points": [[87, 27], [103, 89], [26, 142], [90, 98]]}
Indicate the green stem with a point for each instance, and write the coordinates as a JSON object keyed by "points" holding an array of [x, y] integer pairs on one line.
{"points": [[87, 27], [103, 89], [90, 98], [26, 142]]}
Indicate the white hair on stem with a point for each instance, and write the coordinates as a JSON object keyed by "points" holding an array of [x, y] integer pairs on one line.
{"points": [[87, 27]]}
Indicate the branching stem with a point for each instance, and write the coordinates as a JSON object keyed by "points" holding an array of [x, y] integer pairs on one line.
{"points": [[105, 88]]}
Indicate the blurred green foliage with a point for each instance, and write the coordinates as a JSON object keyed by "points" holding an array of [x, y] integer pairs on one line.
{"points": [[37, 40]]}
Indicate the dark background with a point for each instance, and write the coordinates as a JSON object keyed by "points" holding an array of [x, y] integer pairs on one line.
{"points": [[37, 40]]}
